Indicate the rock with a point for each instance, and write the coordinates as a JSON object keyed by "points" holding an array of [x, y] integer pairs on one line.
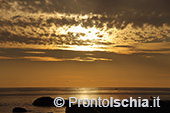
{"points": [[44, 101], [66, 103], [47, 102], [81, 109], [19, 109], [163, 109]]}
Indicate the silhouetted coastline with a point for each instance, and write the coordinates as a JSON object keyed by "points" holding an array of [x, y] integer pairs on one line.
{"points": [[48, 102]]}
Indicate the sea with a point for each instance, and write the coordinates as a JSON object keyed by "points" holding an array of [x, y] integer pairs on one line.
{"points": [[24, 97]]}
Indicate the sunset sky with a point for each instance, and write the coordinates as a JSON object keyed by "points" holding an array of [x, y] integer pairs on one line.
{"points": [[84, 43]]}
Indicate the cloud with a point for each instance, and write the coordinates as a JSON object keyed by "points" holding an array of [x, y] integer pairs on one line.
{"points": [[50, 55], [52, 59], [35, 52], [124, 46], [6, 58], [33, 58], [41, 25], [90, 59]]}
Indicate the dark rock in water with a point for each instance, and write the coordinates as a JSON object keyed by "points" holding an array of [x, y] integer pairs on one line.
{"points": [[19, 109], [47, 102], [66, 103], [81, 109], [44, 101]]}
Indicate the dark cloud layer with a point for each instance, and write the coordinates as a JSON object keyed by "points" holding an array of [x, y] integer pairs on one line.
{"points": [[62, 24], [154, 12], [64, 55]]}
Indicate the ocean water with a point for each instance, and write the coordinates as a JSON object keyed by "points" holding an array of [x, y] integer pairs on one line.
{"points": [[24, 97]]}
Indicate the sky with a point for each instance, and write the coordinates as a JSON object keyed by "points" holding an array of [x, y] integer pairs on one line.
{"points": [[84, 43]]}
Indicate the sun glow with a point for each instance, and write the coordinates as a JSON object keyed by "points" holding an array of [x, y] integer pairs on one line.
{"points": [[85, 33], [86, 48], [89, 38]]}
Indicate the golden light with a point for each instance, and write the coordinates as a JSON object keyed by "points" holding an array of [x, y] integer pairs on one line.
{"points": [[85, 33], [93, 38], [82, 48], [86, 48]]}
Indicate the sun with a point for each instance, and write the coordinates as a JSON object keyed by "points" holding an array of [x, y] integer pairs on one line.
{"points": [[87, 38], [85, 33]]}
